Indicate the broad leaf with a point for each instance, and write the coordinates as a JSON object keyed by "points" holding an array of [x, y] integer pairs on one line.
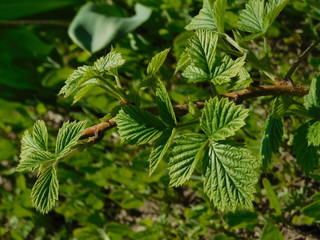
{"points": [[34, 159], [68, 137], [45, 191], [252, 18], [156, 62], [97, 25], [137, 126], [205, 19], [225, 69], [160, 148], [211, 18], [314, 134], [230, 174], [187, 151], [244, 80], [271, 139], [312, 100], [164, 105], [307, 155], [221, 119]]}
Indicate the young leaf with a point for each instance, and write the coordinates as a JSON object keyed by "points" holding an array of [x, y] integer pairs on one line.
{"points": [[225, 69], [183, 62], [307, 155], [273, 9], [210, 18], [221, 119], [112, 60], [164, 105], [312, 100], [160, 148], [271, 139], [230, 175], [45, 191], [314, 134], [205, 19], [68, 137], [72, 82], [244, 80], [40, 134], [137, 126], [34, 159], [187, 151], [156, 62], [252, 18]]}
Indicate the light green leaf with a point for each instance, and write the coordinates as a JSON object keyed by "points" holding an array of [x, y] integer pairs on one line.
{"points": [[281, 105], [31, 161], [68, 137], [271, 139], [106, 63], [35, 141], [156, 62], [137, 126], [221, 119], [225, 69], [314, 134], [273, 9], [45, 191], [252, 18], [230, 175], [72, 82], [274, 202], [312, 100], [244, 80], [160, 148], [307, 155], [194, 74], [183, 62], [164, 105], [205, 19], [219, 9], [85, 89], [187, 151]]}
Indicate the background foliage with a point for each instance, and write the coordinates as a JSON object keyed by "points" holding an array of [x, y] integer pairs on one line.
{"points": [[106, 192]]}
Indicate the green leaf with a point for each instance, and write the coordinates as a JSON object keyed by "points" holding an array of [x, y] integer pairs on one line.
{"points": [[312, 210], [160, 148], [72, 82], [98, 25], [45, 191], [106, 63], [31, 161], [252, 18], [307, 155], [164, 105], [210, 18], [271, 139], [156, 62], [221, 119], [312, 100], [205, 19], [35, 141], [68, 137], [273, 9], [187, 151], [274, 202], [244, 80], [137, 126], [313, 135], [271, 231], [224, 69], [183, 62], [230, 174]]}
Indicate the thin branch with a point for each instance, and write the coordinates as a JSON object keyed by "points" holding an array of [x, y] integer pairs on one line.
{"points": [[97, 131], [301, 58], [35, 22]]}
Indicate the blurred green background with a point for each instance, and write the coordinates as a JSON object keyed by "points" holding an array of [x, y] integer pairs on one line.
{"points": [[105, 192]]}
